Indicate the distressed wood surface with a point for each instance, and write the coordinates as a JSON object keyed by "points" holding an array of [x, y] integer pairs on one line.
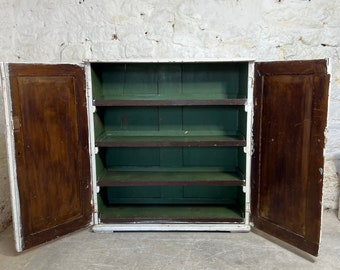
{"points": [[290, 116], [51, 142]]}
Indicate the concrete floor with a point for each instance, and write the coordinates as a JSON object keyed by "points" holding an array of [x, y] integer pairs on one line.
{"points": [[169, 250]]}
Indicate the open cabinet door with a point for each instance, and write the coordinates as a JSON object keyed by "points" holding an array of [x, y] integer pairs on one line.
{"points": [[47, 135], [290, 111]]}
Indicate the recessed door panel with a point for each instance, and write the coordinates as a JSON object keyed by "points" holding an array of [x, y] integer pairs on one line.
{"points": [[51, 150], [290, 105]]}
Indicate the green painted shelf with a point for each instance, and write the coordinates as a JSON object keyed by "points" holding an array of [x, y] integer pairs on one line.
{"points": [[167, 177], [168, 214], [166, 101], [108, 139]]}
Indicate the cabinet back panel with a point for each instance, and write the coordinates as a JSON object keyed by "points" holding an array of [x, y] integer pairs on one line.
{"points": [[241, 162], [170, 79], [210, 79], [226, 157], [113, 77], [229, 120], [143, 157], [130, 118], [140, 79]]}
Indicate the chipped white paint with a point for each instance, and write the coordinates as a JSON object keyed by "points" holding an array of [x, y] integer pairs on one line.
{"points": [[71, 31], [249, 147], [15, 201], [92, 149], [5, 205]]}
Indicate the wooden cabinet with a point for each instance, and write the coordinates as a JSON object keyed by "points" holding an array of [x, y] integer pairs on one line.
{"points": [[171, 136], [167, 146]]}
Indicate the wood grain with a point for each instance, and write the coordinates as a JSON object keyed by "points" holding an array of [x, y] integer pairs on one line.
{"points": [[51, 142], [290, 103]]}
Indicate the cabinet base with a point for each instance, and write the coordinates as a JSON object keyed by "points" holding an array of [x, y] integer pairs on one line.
{"points": [[168, 227]]}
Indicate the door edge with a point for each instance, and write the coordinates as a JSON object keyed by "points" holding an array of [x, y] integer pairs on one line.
{"points": [[10, 147]]}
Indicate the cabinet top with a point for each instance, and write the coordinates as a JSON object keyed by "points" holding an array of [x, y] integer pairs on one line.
{"points": [[167, 60]]}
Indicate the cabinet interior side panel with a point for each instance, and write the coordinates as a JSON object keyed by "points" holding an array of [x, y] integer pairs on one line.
{"points": [[243, 80], [96, 82]]}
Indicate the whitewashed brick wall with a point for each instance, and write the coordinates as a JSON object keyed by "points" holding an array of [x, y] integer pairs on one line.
{"points": [[74, 30]]}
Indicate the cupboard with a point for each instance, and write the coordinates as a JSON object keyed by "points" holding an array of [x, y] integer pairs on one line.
{"points": [[167, 145], [170, 136]]}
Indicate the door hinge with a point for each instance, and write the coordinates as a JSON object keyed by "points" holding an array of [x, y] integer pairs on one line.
{"points": [[16, 123]]}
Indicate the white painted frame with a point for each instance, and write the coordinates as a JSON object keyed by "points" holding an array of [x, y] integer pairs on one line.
{"points": [[232, 227], [15, 200], [249, 148], [92, 148], [171, 227]]}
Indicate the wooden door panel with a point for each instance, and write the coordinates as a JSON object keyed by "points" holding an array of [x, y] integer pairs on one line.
{"points": [[289, 123], [285, 134], [51, 142]]}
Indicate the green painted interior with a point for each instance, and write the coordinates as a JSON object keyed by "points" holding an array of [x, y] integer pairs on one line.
{"points": [[169, 213], [225, 157], [176, 81], [170, 80], [171, 195], [154, 176], [180, 120]]}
